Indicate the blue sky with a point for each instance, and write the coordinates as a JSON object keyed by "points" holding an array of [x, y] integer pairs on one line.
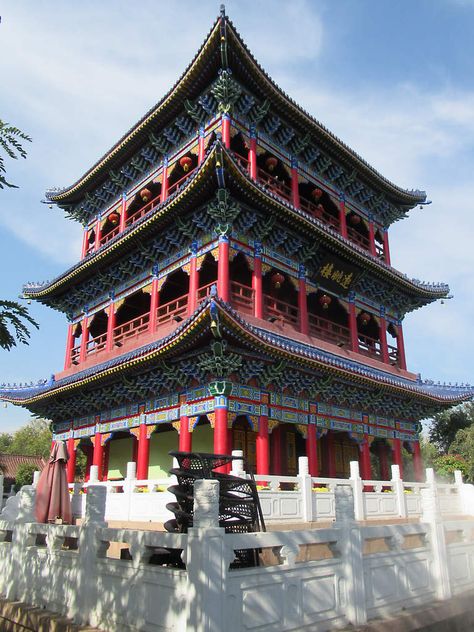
{"points": [[394, 80]]}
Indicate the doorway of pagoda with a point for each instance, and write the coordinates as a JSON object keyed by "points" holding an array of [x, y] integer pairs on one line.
{"points": [[132, 317], [97, 326], [143, 201], [382, 451], [207, 276], [85, 446], [280, 298], [287, 445], [180, 171], [173, 300], [203, 436], [328, 318], [164, 439], [368, 333], [244, 437], [120, 449], [319, 204], [242, 296], [274, 175]]}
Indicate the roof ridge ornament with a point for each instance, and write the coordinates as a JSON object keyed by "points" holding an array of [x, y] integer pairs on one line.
{"points": [[223, 30]]}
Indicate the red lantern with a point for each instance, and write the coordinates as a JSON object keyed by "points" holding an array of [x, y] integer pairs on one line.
{"points": [[364, 318], [316, 193], [145, 194], [325, 301], [271, 163], [114, 218], [277, 280], [354, 219], [185, 163]]}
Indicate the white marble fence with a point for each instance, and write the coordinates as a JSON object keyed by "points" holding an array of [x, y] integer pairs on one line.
{"points": [[312, 579], [286, 499]]}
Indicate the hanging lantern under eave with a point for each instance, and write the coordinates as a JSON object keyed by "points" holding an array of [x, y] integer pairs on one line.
{"points": [[364, 319], [277, 280], [114, 218], [185, 163], [316, 194], [271, 163], [325, 301], [354, 220], [145, 194]]}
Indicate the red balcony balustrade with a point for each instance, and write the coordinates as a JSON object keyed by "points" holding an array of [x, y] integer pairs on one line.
{"points": [[131, 329], [280, 311], [327, 330], [134, 217], [318, 211], [110, 235], [97, 344], [174, 310], [242, 297], [205, 291], [179, 183]]}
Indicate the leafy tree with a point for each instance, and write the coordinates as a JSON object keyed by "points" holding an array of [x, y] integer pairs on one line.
{"points": [[33, 439], [5, 441], [11, 315], [10, 142], [446, 425], [24, 474], [447, 463], [463, 445], [429, 452]]}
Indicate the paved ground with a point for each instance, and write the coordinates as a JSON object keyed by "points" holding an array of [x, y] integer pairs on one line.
{"points": [[16, 616]]}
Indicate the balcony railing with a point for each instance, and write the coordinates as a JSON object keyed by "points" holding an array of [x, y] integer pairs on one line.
{"points": [[110, 235], [316, 211], [273, 184], [205, 291], [176, 185], [134, 217], [173, 310], [131, 329], [277, 310], [328, 330], [357, 238], [97, 344], [242, 297]]}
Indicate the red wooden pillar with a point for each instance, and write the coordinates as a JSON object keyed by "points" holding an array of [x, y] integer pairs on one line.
{"points": [[252, 156], [111, 327], [295, 193], [312, 450], [223, 289], [386, 247], [383, 337], [193, 280], [85, 243], [397, 455], [263, 446], [71, 463], [383, 459], [302, 302], [366, 465], [84, 339], [201, 148], [69, 346], [97, 234], [98, 456], [123, 213], [331, 454], [185, 437], [221, 437], [164, 183], [417, 462], [402, 362], [276, 451], [342, 216], [257, 282], [372, 248], [226, 130], [154, 300], [143, 455], [353, 324]]}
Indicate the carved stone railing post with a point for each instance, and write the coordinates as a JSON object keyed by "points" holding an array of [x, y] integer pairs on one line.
{"points": [[305, 485], [399, 491], [206, 561], [431, 514], [466, 494], [350, 544], [358, 493]]}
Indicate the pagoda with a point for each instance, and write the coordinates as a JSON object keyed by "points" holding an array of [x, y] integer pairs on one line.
{"points": [[235, 291]]}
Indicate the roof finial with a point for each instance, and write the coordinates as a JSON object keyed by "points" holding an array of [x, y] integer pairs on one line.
{"points": [[222, 10]]}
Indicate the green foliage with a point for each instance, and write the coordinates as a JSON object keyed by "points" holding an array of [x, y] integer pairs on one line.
{"points": [[24, 474], [429, 452], [446, 425], [10, 143], [12, 315], [81, 462], [463, 445], [5, 441], [33, 439], [447, 463]]}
